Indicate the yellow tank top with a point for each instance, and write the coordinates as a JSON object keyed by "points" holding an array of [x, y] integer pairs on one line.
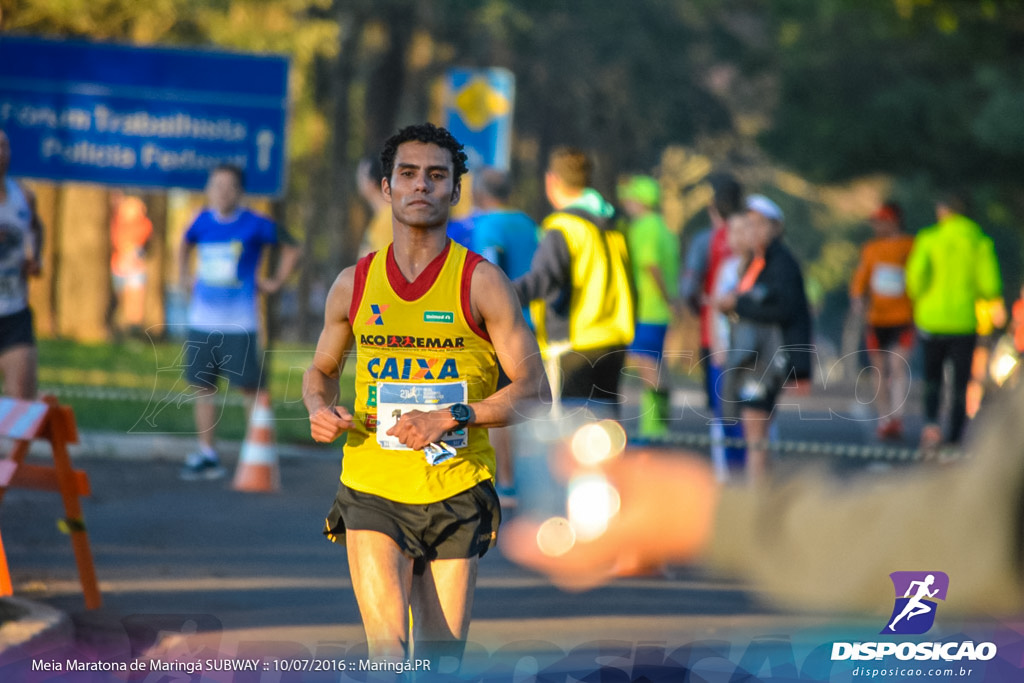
{"points": [[417, 347]]}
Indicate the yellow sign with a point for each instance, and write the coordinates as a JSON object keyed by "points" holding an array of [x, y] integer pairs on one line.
{"points": [[478, 104]]}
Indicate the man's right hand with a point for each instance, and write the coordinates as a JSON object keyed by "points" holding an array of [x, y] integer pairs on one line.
{"points": [[327, 423]]}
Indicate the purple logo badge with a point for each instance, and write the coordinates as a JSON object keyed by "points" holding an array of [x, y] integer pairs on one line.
{"points": [[916, 593]]}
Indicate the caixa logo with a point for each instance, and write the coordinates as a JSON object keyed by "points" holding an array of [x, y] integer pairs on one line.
{"points": [[916, 595]]}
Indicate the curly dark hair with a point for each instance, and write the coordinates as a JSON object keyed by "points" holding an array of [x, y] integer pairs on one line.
{"points": [[424, 132]]}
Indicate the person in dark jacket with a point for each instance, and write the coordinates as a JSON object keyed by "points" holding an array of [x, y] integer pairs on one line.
{"points": [[772, 329], [578, 287]]}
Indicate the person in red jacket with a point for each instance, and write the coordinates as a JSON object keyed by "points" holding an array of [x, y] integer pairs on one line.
{"points": [[708, 249]]}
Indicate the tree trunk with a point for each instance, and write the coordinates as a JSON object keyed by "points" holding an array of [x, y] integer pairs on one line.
{"points": [[83, 271], [156, 260], [342, 237], [386, 83]]}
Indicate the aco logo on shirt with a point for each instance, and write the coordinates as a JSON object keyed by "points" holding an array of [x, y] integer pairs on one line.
{"points": [[405, 341]]}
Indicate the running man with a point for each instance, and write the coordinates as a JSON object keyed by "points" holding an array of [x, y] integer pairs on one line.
{"points": [[915, 606], [223, 319], [21, 237], [430, 321]]}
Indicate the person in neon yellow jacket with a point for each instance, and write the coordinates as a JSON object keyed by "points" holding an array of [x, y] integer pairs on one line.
{"points": [[951, 266]]}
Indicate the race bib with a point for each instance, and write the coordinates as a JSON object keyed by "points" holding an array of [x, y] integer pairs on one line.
{"points": [[218, 264], [396, 398], [888, 280]]}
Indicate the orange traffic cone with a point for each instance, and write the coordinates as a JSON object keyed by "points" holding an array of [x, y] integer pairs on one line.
{"points": [[257, 469]]}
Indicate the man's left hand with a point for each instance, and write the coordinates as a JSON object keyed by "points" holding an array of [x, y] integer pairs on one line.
{"points": [[416, 428]]}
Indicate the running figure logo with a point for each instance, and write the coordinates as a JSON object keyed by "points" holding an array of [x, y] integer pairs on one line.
{"points": [[916, 592]]}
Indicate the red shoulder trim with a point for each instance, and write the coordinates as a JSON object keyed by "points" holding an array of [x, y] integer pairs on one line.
{"points": [[359, 286], [410, 291], [473, 259]]}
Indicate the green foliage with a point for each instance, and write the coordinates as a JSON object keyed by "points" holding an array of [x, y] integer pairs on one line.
{"points": [[898, 87], [925, 93], [622, 80], [111, 387]]}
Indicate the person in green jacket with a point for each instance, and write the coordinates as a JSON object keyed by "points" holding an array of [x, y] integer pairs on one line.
{"points": [[951, 266]]}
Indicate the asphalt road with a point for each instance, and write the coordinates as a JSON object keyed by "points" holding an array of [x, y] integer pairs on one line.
{"points": [[195, 569]]}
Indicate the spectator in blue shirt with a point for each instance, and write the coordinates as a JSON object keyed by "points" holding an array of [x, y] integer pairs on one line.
{"points": [[506, 237]]}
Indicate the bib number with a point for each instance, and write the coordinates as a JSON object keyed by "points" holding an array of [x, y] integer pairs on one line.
{"points": [[218, 264], [888, 280], [396, 398]]}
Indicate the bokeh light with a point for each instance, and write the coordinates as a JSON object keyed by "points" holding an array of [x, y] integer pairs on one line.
{"points": [[555, 537], [592, 502], [597, 442]]}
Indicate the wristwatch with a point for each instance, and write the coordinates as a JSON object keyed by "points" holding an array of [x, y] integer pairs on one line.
{"points": [[461, 413]]}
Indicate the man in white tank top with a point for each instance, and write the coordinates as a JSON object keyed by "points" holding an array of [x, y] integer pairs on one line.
{"points": [[20, 242]]}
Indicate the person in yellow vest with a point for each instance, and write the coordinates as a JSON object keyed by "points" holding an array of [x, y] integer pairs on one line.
{"points": [[579, 287], [430, 320]]}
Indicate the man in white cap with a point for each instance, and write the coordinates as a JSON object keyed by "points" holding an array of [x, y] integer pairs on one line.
{"points": [[772, 332]]}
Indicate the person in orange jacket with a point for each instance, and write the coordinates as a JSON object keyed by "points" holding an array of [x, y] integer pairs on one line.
{"points": [[878, 292]]}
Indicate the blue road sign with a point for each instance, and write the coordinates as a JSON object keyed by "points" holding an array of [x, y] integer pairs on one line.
{"points": [[478, 112], [149, 117]]}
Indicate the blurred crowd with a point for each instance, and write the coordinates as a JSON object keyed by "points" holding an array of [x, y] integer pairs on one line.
{"points": [[603, 280]]}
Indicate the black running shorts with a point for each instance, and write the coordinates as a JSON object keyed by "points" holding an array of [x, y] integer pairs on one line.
{"points": [[233, 356], [16, 330], [463, 526]]}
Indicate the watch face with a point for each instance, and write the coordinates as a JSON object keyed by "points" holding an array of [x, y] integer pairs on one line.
{"points": [[460, 413]]}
